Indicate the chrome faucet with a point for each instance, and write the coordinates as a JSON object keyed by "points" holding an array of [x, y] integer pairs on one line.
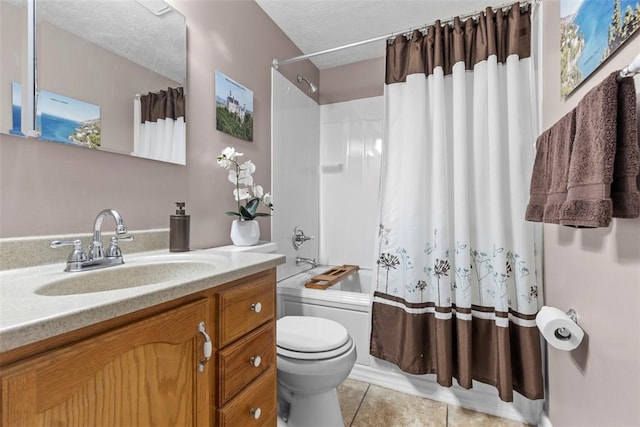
{"points": [[95, 248], [310, 261], [95, 256]]}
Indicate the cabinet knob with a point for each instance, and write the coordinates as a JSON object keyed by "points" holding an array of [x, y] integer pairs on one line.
{"points": [[257, 307], [255, 361], [255, 413]]}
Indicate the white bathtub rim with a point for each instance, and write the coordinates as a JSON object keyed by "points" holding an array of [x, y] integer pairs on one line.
{"points": [[297, 281], [343, 299]]}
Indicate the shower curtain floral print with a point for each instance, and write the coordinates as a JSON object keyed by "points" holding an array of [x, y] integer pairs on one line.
{"points": [[490, 279], [456, 289]]}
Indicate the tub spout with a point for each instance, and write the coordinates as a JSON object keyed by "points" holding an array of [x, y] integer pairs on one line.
{"points": [[311, 261]]}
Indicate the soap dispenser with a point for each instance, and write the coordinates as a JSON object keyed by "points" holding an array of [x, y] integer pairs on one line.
{"points": [[179, 230]]}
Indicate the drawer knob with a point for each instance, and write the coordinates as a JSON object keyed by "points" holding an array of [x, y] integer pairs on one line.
{"points": [[257, 307], [255, 413], [255, 361]]}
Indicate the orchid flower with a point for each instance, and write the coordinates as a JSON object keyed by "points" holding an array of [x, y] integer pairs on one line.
{"points": [[241, 175], [228, 157], [244, 194]]}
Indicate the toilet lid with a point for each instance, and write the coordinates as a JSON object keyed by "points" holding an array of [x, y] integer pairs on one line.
{"points": [[310, 334]]}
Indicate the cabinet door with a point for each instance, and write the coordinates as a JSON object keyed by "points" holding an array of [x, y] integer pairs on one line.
{"points": [[145, 373]]}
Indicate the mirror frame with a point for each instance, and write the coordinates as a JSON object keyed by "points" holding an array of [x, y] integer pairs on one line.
{"points": [[29, 104]]}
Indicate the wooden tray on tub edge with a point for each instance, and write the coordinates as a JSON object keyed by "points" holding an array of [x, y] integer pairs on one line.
{"points": [[331, 277]]}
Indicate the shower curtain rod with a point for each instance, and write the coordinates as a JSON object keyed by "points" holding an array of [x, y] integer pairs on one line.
{"points": [[275, 64]]}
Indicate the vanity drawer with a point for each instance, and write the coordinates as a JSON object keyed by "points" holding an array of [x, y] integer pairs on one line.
{"points": [[257, 400], [244, 308], [237, 362]]}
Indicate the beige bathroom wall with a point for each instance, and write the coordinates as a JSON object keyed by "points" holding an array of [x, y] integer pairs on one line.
{"points": [[364, 79], [48, 188], [597, 273]]}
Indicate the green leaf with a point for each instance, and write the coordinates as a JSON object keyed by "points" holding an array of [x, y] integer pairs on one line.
{"points": [[246, 214], [233, 213], [262, 214], [252, 206]]}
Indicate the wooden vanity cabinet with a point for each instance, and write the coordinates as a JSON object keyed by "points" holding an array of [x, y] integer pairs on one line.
{"points": [[148, 368], [246, 354], [145, 373]]}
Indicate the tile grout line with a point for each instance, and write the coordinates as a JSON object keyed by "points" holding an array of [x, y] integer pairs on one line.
{"points": [[446, 418], [360, 405]]}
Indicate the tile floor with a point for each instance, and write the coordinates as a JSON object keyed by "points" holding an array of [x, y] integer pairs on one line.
{"points": [[365, 405]]}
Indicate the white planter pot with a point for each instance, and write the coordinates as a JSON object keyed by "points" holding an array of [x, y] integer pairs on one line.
{"points": [[245, 233]]}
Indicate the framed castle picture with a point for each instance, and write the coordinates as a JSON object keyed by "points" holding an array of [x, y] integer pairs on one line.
{"points": [[591, 30], [234, 107]]}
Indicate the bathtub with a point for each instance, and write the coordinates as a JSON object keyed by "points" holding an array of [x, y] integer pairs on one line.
{"points": [[347, 302]]}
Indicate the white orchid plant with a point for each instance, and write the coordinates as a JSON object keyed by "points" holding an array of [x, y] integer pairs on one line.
{"points": [[246, 190]]}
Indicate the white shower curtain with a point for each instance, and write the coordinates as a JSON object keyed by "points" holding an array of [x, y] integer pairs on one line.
{"points": [[457, 289]]}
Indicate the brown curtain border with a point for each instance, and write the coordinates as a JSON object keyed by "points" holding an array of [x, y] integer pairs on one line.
{"points": [[506, 358], [465, 310], [500, 33]]}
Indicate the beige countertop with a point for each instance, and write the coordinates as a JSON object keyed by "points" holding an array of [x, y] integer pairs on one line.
{"points": [[27, 315]]}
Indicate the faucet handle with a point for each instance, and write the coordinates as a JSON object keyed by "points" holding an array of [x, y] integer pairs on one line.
{"points": [[60, 243], [77, 255], [113, 251], [298, 237]]}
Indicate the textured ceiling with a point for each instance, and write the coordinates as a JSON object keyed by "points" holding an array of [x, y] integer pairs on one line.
{"points": [[125, 28], [316, 25]]}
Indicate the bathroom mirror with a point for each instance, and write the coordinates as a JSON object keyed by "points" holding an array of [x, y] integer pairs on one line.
{"points": [[111, 76]]}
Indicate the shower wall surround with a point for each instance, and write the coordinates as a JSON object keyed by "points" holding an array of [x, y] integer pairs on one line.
{"points": [[350, 147], [295, 179]]}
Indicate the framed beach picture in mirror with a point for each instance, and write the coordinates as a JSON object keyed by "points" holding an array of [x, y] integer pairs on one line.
{"points": [[59, 118], [591, 31], [234, 107]]}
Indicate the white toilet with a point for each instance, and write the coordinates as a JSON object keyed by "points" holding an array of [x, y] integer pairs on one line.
{"points": [[314, 356]]}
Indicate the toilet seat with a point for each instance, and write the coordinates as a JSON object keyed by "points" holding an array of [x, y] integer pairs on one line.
{"points": [[311, 338]]}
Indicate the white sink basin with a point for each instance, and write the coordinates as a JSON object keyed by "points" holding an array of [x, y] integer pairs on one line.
{"points": [[143, 272]]}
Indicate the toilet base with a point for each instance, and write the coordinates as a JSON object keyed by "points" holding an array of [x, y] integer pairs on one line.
{"points": [[316, 410]]}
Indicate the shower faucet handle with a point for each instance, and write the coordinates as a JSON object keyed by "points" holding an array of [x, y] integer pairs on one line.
{"points": [[298, 237]]}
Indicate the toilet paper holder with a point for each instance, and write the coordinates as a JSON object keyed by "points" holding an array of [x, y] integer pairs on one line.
{"points": [[563, 333]]}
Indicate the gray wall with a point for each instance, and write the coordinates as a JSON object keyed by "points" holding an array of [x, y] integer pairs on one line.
{"points": [[50, 189]]}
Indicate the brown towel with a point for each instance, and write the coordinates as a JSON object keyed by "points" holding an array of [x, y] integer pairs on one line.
{"points": [[540, 179], [549, 179], [588, 201], [624, 189]]}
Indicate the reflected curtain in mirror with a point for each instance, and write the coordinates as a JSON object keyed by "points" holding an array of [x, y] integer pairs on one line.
{"points": [[159, 126]]}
